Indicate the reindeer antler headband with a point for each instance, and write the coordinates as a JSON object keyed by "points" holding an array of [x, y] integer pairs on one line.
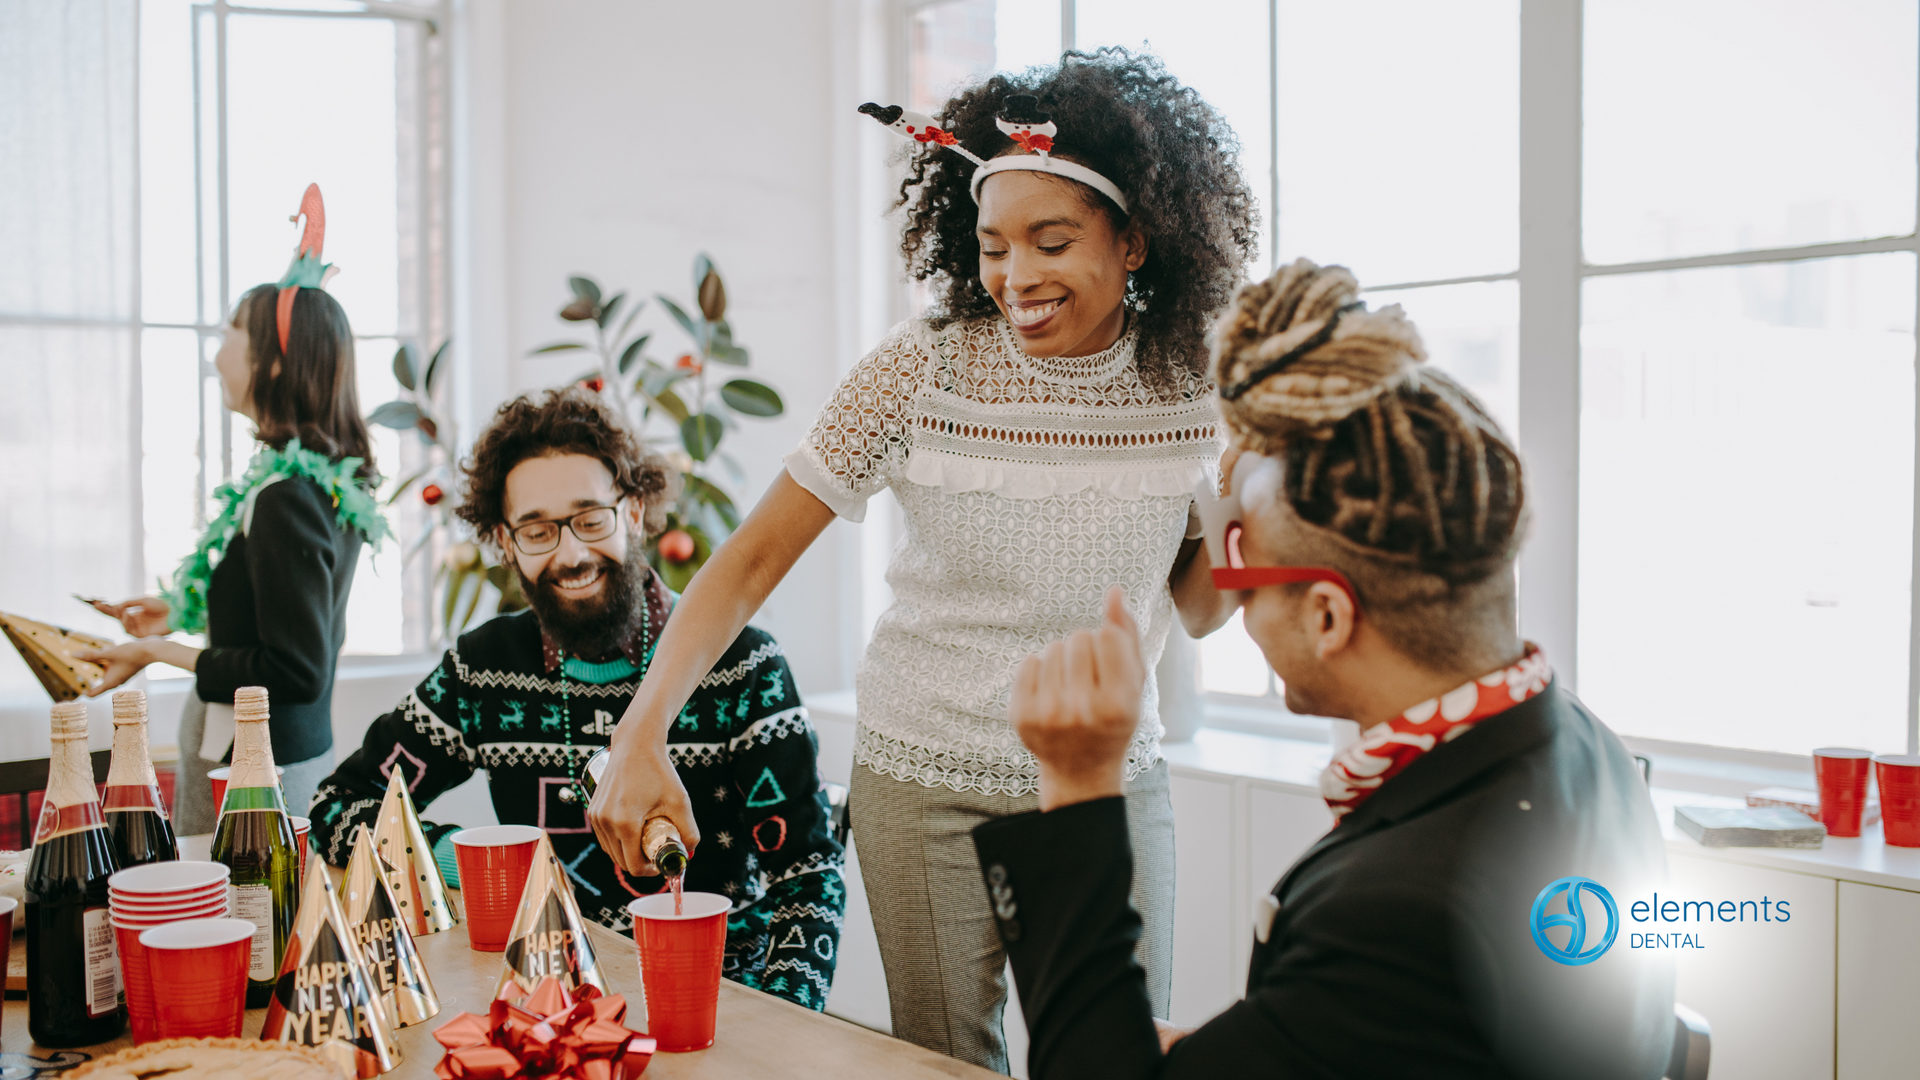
{"points": [[1023, 122], [306, 271]]}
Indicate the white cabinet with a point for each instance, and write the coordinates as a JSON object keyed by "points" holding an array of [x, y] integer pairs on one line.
{"points": [[1766, 987], [1878, 998], [1204, 938]]}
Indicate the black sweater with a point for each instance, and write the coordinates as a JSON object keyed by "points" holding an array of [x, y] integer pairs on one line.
{"points": [[1401, 943], [276, 614]]}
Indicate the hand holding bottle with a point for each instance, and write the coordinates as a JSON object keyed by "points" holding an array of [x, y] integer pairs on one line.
{"points": [[1076, 705]]}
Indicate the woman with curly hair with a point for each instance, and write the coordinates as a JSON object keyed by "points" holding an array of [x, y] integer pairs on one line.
{"points": [[1043, 429]]}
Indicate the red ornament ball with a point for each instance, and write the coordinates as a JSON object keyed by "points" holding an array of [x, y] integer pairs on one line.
{"points": [[431, 494], [676, 546], [595, 384]]}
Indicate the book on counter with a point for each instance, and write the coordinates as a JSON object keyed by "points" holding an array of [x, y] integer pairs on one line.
{"points": [[1749, 826]]}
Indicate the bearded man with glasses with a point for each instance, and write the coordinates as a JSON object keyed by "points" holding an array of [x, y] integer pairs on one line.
{"points": [[568, 497]]}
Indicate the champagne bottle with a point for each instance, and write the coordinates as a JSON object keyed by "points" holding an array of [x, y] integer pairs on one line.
{"points": [[73, 964], [661, 841], [255, 840], [136, 816]]}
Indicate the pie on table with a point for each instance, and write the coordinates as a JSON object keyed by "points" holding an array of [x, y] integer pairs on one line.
{"points": [[209, 1059]]}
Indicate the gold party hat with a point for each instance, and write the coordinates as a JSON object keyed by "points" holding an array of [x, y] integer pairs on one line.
{"points": [[373, 916], [417, 885], [549, 939], [325, 997]]}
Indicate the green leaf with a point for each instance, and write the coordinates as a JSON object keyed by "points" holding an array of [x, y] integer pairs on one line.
{"points": [[700, 433], [627, 323], [473, 600], [702, 266], [656, 380], [752, 398], [607, 312], [732, 354], [676, 408], [432, 377], [456, 584], [632, 352], [558, 347], [398, 415], [585, 289], [681, 317], [404, 367]]}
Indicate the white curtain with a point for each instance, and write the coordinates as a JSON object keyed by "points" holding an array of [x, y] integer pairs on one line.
{"points": [[69, 310]]}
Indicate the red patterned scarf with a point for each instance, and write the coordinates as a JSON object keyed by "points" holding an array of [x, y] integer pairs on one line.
{"points": [[1384, 749]]}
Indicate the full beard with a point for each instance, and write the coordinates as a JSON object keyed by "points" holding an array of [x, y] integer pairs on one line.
{"points": [[592, 627]]}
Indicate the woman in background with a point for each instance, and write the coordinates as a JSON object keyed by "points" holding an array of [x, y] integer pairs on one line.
{"points": [[268, 582]]}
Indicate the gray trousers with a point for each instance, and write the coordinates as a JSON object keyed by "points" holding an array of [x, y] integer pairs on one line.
{"points": [[946, 969], [193, 809]]}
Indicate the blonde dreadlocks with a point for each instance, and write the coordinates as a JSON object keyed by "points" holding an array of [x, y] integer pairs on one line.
{"points": [[1394, 474]]}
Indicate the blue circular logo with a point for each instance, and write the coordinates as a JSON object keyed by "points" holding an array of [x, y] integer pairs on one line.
{"points": [[1573, 890]]}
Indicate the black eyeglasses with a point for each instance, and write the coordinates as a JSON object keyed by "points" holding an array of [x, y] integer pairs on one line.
{"points": [[540, 537]]}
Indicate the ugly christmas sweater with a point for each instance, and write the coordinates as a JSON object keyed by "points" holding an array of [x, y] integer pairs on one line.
{"points": [[501, 700]]}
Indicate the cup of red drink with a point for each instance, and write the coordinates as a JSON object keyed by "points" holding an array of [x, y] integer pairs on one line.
{"points": [[198, 972], [680, 964], [494, 861], [1840, 773], [301, 827], [1899, 779]]}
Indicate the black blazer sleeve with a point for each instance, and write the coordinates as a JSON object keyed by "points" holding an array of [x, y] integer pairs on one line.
{"points": [[290, 554]]}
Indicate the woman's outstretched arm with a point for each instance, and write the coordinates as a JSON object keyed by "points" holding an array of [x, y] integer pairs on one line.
{"points": [[640, 782]]}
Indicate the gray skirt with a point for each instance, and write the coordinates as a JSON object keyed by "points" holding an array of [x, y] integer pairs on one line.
{"points": [[945, 966]]}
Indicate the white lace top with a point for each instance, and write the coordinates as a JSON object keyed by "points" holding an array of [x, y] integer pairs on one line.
{"points": [[1029, 486]]}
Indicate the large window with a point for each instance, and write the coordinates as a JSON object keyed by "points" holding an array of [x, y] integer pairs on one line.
{"points": [[240, 110], [1725, 555]]}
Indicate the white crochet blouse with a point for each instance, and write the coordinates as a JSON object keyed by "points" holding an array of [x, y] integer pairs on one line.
{"points": [[1029, 486]]}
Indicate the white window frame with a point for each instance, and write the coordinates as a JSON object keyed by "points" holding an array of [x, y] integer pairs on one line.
{"points": [[1551, 271], [429, 322]]}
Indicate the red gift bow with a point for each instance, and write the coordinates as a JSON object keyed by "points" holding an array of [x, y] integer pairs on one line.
{"points": [[934, 134], [548, 1035], [1033, 143]]}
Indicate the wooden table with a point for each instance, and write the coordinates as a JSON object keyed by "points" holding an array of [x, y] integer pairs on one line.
{"points": [[758, 1035]]}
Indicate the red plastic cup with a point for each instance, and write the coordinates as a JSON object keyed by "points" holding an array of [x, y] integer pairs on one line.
{"points": [[680, 965], [198, 974], [184, 875], [1899, 776], [494, 861], [1841, 775], [301, 827]]}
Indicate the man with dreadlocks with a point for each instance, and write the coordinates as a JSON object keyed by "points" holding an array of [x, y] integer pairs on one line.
{"points": [[1371, 525]]}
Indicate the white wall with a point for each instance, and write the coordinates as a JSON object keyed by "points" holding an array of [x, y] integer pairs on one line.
{"points": [[617, 139]]}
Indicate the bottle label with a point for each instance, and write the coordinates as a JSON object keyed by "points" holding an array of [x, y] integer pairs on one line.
{"points": [[132, 797], [253, 798], [103, 963], [61, 820], [254, 903]]}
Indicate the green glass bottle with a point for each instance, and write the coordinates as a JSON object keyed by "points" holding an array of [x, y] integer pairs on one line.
{"points": [[255, 840]]}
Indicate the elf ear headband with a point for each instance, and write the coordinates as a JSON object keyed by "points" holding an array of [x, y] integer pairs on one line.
{"points": [[1021, 120], [1221, 514], [306, 271]]}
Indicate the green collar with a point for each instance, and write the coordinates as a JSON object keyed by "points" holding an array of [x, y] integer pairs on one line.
{"points": [[599, 674], [353, 503]]}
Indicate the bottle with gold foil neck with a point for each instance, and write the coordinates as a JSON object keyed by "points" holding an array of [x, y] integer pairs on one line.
{"points": [[662, 844], [255, 840], [73, 964], [136, 815]]}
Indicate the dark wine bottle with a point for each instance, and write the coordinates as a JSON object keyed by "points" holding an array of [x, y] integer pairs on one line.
{"points": [[73, 964], [255, 840], [136, 816]]}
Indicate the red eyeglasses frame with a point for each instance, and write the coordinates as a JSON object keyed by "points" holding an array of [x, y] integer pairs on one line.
{"points": [[1237, 575]]}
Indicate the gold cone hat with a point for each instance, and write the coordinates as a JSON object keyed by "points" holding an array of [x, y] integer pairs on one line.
{"points": [[373, 917], [417, 885], [324, 997], [549, 939]]}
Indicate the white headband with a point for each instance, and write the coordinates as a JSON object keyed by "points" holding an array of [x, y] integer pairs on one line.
{"points": [[1033, 132]]}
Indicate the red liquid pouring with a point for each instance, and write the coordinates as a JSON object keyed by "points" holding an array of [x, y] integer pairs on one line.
{"points": [[676, 884]]}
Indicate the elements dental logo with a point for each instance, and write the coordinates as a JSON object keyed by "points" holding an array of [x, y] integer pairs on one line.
{"points": [[1575, 893]]}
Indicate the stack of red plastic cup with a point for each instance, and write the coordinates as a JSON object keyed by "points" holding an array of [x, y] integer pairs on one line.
{"points": [[1841, 775], [1899, 777], [155, 895], [494, 861], [680, 965], [198, 970]]}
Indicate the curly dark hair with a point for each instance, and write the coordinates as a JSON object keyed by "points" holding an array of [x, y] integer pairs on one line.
{"points": [[1173, 155], [571, 420]]}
